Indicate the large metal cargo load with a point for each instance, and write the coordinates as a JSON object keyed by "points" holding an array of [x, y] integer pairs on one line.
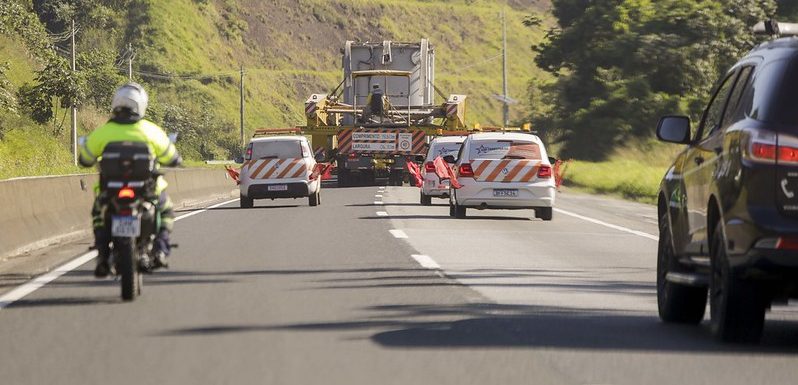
{"points": [[382, 112], [416, 58]]}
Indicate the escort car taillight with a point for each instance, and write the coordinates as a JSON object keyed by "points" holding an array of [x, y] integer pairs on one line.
{"points": [[429, 167], [544, 172], [465, 170]]}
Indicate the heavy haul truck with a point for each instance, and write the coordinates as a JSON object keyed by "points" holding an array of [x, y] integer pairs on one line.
{"points": [[382, 113]]}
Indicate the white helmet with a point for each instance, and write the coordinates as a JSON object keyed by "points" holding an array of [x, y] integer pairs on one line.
{"points": [[131, 96]]}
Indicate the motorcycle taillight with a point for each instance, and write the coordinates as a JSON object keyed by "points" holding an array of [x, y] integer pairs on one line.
{"points": [[125, 212]]}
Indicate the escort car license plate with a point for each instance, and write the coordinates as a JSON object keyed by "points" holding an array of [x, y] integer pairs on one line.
{"points": [[278, 187], [505, 192], [125, 226]]}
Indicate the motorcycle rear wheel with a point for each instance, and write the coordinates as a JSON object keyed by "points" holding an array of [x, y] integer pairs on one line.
{"points": [[127, 263]]}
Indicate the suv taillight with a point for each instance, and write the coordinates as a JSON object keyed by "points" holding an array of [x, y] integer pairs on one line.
{"points": [[429, 167], [249, 152], [762, 147], [544, 172], [465, 170], [352, 156]]}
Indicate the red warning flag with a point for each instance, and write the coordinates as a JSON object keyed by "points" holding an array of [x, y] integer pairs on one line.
{"points": [[444, 171], [413, 169], [233, 173]]}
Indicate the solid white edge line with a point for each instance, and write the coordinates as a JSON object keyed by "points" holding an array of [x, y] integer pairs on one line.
{"points": [[426, 261], [398, 234], [36, 283], [610, 225], [382, 213]]}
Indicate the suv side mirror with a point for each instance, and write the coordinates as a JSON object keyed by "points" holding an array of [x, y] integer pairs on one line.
{"points": [[674, 129], [450, 159]]}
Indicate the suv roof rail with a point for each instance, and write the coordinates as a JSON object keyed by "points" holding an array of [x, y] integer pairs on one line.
{"points": [[776, 29]]}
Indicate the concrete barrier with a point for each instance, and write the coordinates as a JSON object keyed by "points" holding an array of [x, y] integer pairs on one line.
{"points": [[41, 211]]}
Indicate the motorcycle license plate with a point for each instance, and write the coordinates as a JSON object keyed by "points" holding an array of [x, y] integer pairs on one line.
{"points": [[125, 226], [505, 192], [278, 187]]}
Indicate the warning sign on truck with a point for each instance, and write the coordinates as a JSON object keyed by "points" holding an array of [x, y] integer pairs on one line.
{"points": [[382, 140]]}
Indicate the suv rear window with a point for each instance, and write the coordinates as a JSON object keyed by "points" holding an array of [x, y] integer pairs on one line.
{"points": [[443, 149], [783, 105], [276, 149], [504, 149]]}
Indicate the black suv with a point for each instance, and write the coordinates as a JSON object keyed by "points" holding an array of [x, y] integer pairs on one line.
{"points": [[728, 206]]}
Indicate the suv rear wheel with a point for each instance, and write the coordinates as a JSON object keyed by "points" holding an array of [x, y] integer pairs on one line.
{"points": [[737, 306], [676, 303]]}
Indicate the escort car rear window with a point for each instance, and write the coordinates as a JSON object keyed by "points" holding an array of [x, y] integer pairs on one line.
{"points": [[276, 149], [504, 149], [443, 149]]}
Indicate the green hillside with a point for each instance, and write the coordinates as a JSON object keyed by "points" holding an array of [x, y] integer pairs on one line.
{"points": [[188, 53]]}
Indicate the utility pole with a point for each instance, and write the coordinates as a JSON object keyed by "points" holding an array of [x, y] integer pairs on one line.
{"points": [[129, 62], [241, 107], [74, 108], [506, 105]]}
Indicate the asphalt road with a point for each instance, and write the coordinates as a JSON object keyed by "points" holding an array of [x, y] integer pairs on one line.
{"points": [[371, 288]]}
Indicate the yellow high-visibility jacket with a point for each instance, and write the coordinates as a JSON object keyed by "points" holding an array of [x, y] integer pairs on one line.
{"points": [[141, 131]]}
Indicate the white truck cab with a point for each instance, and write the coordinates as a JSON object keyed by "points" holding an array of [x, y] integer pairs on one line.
{"points": [[433, 186], [503, 170], [278, 167]]}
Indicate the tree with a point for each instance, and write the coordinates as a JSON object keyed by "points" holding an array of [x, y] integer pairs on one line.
{"points": [[620, 64]]}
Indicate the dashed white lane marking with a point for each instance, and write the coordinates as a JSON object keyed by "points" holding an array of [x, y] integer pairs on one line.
{"points": [[37, 283], [382, 187], [378, 203], [426, 261], [610, 225], [377, 195], [398, 234], [382, 213]]}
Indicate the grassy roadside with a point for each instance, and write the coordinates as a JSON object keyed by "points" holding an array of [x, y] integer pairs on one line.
{"points": [[631, 173]]}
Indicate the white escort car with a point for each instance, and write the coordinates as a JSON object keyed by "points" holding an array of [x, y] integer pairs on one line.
{"points": [[433, 186], [279, 167], [502, 170]]}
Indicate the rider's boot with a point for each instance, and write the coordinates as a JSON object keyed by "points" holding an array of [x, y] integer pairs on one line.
{"points": [[102, 242], [161, 250]]}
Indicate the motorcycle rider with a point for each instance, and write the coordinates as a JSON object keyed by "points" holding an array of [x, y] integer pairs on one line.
{"points": [[127, 123]]}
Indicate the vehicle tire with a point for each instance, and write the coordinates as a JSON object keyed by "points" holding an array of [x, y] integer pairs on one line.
{"points": [[125, 256], [676, 303], [343, 177], [737, 306], [452, 210], [246, 202], [426, 200], [313, 199], [544, 213], [459, 212]]}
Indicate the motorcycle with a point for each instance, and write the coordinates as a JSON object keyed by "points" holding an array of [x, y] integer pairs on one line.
{"points": [[128, 177]]}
